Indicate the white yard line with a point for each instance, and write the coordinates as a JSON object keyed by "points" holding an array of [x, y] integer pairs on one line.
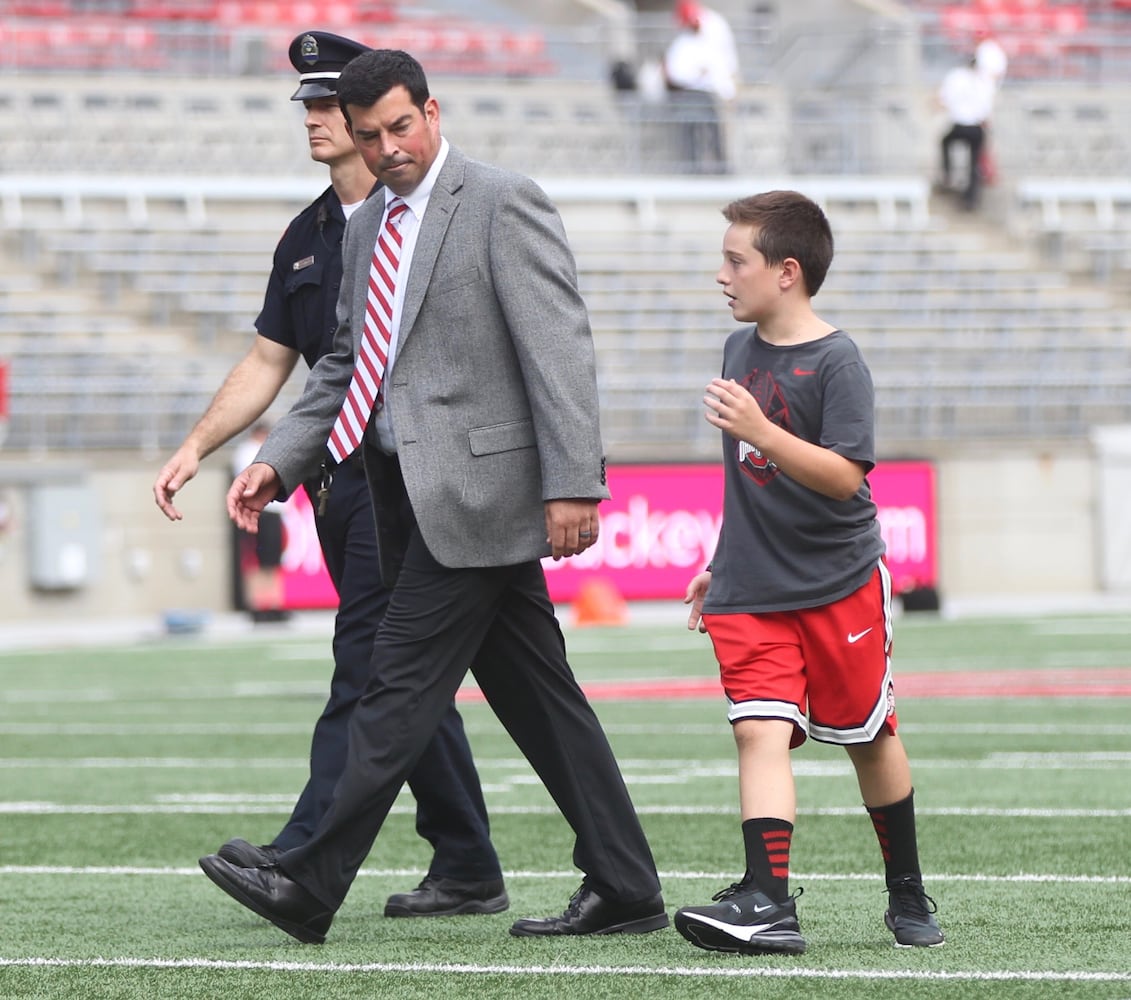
{"points": [[1040, 878], [257, 808], [524, 971]]}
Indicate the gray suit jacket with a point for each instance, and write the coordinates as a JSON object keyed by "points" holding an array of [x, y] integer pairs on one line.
{"points": [[493, 390]]}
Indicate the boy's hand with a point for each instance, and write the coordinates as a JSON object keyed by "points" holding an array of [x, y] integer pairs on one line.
{"points": [[731, 408], [696, 591]]}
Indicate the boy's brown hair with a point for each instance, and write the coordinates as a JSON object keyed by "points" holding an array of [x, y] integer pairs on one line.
{"points": [[788, 225]]}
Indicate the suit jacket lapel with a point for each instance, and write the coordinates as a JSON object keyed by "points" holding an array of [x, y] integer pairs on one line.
{"points": [[437, 217], [375, 209]]}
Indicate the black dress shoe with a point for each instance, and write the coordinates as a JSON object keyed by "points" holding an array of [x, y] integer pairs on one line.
{"points": [[244, 855], [448, 897], [268, 892], [588, 913]]}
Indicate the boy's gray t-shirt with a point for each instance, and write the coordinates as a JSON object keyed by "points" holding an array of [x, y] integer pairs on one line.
{"points": [[782, 545]]}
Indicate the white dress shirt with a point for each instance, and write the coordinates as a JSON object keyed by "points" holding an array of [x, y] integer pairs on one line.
{"points": [[417, 202]]}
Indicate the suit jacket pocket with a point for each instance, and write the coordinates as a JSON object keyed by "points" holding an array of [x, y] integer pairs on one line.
{"points": [[511, 436]]}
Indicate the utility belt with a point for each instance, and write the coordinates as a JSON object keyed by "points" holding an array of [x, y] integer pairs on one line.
{"points": [[352, 463]]}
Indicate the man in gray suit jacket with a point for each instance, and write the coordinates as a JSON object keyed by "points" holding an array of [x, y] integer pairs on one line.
{"points": [[483, 455]]}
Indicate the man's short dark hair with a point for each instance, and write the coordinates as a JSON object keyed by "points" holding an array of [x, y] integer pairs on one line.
{"points": [[789, 225], [371, 75]]}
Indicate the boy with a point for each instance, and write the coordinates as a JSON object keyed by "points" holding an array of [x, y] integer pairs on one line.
{"points": [[797, 598]]}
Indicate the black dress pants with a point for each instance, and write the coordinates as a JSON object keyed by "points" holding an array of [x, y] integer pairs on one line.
{"points": [[450, 812], [499, 623]]}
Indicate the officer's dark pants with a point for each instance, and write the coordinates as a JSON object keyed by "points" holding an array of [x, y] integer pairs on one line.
{"points": [[450, 811]]}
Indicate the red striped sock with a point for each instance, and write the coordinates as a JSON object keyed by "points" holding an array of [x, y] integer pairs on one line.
{"points": [[895, 830], [767, 855]]}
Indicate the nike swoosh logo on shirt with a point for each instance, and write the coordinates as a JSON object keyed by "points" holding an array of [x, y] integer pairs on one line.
{"points": [[857, 636]]}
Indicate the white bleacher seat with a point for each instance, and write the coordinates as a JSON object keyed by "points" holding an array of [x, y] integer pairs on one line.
{"points": [[1104, 198]]}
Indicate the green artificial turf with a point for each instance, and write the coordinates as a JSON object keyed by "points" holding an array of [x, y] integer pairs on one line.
{"points": [[121, 766]]}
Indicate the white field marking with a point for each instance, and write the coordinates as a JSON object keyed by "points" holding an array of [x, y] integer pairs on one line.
{"points": [[838, 765], [1056, 759], [155, 729], [680, 972], [215, 799], [681, 769], [219, 798], [319, 652], [40, 808], [270, 689], [480, 728], [156, 763], [317, 689], [651, 642], [1013, 729], [1069, 660], [1027, 878], [1105, 626]]}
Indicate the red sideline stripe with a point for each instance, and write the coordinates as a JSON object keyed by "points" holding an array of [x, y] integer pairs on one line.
{"points": [[632, 690], [1106, 682], [1112, 682]]}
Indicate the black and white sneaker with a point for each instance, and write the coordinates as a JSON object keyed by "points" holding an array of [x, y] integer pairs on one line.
{"points": [[743, 920], [910, 915]]}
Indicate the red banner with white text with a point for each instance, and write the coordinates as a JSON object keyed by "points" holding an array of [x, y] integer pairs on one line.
{"points": [[658, 530]]}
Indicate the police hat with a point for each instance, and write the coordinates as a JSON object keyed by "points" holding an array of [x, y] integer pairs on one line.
{"points": [[320, 58]]}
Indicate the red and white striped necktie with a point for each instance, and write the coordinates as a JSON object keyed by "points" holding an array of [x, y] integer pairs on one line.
{"points": [[374, 351]]}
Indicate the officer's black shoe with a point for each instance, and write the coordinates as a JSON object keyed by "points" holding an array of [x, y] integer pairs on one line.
{"points": [[448, 897], [244, 855]]}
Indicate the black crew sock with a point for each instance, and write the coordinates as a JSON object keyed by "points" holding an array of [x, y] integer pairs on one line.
{"points": [[767, 855], [895, 829]]}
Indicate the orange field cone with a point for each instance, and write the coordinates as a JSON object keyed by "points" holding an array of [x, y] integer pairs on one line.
{"points": [[598, 602]]}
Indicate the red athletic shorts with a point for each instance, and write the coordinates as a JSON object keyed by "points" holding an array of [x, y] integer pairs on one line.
{"points": [[826, 669]]}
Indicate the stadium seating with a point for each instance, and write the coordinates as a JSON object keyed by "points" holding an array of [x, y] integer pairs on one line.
{"points": [[968, 338], [250, 36], [125, 223]]}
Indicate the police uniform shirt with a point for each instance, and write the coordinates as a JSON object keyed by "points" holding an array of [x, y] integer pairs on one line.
{"points": [[300, 302]]}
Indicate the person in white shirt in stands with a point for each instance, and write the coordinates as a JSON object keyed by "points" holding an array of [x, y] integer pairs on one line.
{"points": [[701, 72], [990, 58], [967, 97]]}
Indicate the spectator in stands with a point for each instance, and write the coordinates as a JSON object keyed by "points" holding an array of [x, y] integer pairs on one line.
{"points": [[797, 598], [992, 63], [482, 447], [298, 319], [990, 58], [701, 72], [260, 556], [967, 97]]}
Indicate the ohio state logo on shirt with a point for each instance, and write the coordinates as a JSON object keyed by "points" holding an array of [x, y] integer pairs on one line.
{"points": [[764, 388]]}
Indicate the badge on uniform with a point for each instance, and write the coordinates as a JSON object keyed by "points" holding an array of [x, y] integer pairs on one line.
{"points": [[298, 265]]}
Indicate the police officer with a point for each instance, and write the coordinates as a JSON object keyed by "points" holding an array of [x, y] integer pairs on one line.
{"points": [[298, 318]]}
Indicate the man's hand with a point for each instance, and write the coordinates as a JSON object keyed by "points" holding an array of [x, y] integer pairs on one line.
{"points": [[696, 592], [571, 526], [184, 464], [252, 490]]}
